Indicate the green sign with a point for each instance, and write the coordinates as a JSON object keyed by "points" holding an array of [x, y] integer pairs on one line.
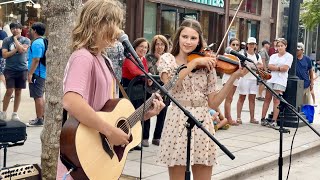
{"points": [[216, 3]]}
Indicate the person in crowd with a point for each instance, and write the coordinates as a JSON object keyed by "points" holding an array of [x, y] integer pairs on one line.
{"points": [[265, 61], [234, 44], [159, 46], [196, 91], [37, 70], [129, 72], [3, 35], [279, 65], [305, 72], [14, 50], [116, 54], [219, 121], [169, 42], [81, 98], [273, 49], [248, 83], [242, 49]]}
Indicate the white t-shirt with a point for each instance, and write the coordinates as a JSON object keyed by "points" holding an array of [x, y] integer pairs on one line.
{"points": [[280, 77], [251, 65]]}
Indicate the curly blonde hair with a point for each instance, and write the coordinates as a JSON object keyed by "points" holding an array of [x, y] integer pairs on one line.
{"points": [[99, 20]]}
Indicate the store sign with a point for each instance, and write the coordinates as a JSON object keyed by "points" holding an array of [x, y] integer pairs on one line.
{"points": [[216, 3]]}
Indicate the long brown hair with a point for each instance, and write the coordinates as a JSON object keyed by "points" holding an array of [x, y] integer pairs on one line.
{"points": [[99, 20], [191, 23]]}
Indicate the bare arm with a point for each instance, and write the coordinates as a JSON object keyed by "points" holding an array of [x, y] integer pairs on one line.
{"points": [[215, 99], [6, 54], [282, 68], [22, 48], [79, 108], [311, 79]]}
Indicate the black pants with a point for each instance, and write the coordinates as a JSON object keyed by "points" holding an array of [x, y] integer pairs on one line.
{"points": [[159, 125], [146, 126]]}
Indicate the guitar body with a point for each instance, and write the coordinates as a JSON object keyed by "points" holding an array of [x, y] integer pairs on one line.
{"points": [[91, 152]]}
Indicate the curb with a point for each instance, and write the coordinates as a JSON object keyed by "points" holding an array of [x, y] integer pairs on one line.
{"points": [[245, 171]]}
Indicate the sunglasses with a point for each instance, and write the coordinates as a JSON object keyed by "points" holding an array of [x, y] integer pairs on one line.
{"points": [[234, 44]]}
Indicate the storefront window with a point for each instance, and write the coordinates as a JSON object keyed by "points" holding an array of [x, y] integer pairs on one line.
{"points": [[249, 6], [234, 30], [168, 22], [253, 29], [150, 20]]}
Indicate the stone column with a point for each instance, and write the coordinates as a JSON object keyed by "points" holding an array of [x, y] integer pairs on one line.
{"points": [[265, 30]]}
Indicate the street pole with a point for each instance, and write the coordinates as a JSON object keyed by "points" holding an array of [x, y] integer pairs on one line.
{"points": [[294, 90]]}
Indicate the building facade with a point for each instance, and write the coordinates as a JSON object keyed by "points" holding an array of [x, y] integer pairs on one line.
{"points": [[256, 18]]}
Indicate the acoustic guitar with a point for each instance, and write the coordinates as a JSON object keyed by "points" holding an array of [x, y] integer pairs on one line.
{"points": [[90, 151]]}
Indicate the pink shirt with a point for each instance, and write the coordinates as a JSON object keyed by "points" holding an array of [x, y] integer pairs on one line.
{"points": [[90, 77]]}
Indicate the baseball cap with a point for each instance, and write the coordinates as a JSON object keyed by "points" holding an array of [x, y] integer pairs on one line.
{"points": [[243, 43], [252, 40], [300, 46]]}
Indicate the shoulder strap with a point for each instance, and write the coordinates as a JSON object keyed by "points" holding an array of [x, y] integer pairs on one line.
{"points": [[257, 56], [245, 54], [115, 77]]}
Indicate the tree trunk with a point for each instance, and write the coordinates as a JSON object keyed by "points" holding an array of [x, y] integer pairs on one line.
{"points": [[60, 17]]}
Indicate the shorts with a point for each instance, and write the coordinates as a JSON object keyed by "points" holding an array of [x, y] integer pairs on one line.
{"points": [[2, 65], [248, 86], [37, 86], [226, 77], [16, 79], [277, 87]]}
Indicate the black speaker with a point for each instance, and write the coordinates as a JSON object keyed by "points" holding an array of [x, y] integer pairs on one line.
{"points": [[12, 132]]}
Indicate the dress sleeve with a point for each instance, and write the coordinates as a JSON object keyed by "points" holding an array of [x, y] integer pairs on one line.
{"points": [[212, 82], [166, 64]]}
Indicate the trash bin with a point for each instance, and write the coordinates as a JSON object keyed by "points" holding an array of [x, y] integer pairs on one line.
{"points": [[308, 110]]}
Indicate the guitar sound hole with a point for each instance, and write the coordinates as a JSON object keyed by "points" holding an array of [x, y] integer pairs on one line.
{"points": [[124, 125]]}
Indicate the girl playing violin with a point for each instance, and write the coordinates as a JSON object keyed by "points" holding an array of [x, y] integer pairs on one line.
{"points": [[197, 92]]}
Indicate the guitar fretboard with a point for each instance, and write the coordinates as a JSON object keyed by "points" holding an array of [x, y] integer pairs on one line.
{"points": [[137, 115]]}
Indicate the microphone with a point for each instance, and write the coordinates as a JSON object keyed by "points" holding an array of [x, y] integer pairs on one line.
{"points": [[229, 50], [128, 47]]}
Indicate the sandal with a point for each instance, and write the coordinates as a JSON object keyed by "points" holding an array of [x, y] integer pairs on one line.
{"points": [[253, 121], [225, 127], [239, 121], [233, 123]]}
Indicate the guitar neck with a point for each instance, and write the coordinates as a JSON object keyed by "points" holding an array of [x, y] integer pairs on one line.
{"points": [[137, 115]]}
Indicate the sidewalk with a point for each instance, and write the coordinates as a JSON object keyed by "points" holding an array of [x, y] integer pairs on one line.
{"points": [[255, 147]]}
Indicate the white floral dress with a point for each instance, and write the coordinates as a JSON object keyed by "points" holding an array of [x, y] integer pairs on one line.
{"points": [[195, 87]]}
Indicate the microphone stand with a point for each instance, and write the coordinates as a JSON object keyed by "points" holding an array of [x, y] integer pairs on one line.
{"points": [[190, 122], [283, 104]]}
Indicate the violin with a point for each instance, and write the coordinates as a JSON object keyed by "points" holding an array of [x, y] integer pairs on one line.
{"points": [[227, 63]]}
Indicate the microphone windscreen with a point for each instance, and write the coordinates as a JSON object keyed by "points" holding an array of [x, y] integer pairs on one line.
{"points": [[123, 37]]}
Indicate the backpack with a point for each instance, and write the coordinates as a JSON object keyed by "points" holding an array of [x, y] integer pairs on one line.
{"points": [[257, 55], [43, 59]]}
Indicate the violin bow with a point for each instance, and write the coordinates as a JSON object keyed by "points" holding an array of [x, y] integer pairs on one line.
{"points": [[225, 35]]}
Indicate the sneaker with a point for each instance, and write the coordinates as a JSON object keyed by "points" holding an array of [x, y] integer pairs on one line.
{"points": [[35, 122], [156, 142], [15, 117], [272, 124], [264, 122], [145, 143], [3, 115]]}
